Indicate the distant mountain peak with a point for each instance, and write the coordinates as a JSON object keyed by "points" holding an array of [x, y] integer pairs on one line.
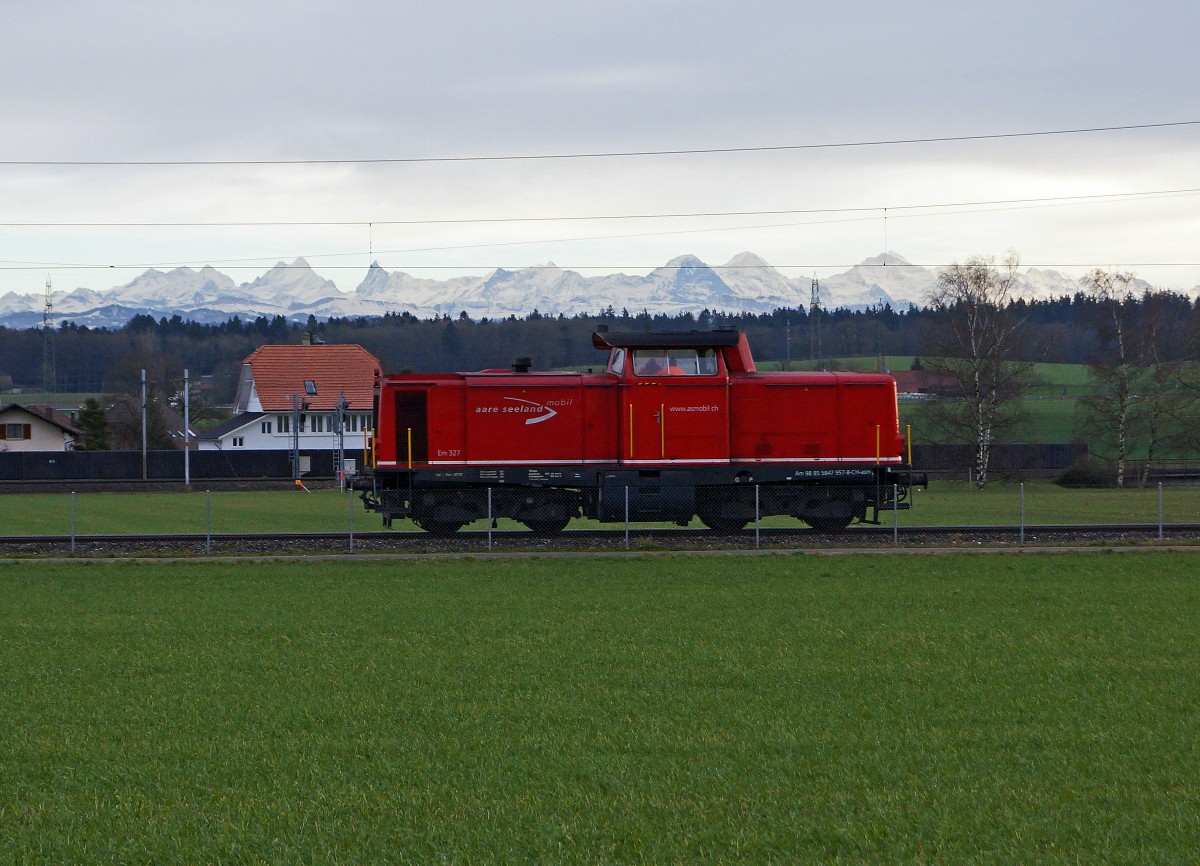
{"points": [[886, 259], [747, 260], [687, 260]]}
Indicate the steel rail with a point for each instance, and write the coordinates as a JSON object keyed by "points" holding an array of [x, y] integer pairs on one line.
{"points": [[568, 538]]}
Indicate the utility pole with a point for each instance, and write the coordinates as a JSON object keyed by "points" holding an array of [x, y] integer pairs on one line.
{"points": [[342, 405], [295, 437], [787, 342], [814, 316], [143, 425], [187, 423], [299, 407]]}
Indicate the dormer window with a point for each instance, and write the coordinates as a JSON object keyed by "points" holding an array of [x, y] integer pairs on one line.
{"points": [[310, 387]]}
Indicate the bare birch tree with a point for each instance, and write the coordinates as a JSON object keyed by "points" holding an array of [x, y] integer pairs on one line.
{"points": [[978, 342], [1115, 371]]}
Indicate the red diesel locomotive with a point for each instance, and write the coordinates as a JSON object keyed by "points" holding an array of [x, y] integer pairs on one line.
{"points": [[678, 425]]}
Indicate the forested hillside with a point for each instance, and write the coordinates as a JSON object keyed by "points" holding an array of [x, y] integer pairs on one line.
{"points": [[1067, 330]]}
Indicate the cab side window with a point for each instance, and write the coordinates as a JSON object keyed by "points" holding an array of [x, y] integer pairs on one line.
{"points": [[650, 362]]}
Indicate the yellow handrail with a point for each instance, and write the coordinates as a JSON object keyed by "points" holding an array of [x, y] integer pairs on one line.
{"points": [[630, 431]]}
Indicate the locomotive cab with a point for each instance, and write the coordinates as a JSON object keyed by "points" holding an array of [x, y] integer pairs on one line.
{"points": [[646, 363]]}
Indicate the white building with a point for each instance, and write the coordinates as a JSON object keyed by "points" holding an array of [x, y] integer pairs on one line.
{"points": [[289, 395]]}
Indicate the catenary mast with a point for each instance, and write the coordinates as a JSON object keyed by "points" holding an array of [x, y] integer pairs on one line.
{"points": [[48, 365]]}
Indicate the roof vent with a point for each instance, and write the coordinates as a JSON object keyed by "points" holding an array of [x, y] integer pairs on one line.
{"points": [[521, 365]]}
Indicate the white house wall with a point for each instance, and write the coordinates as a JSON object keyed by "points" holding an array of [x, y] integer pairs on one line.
{"points": [[263, 434], [44, 435]]}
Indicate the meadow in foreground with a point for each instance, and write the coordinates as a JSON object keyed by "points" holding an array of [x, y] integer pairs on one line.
{"points": [[778, 708]]}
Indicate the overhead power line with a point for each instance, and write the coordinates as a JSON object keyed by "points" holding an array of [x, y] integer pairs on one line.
{"points": [[891, 209], [594, 154], [613, 268], [854, 215]]}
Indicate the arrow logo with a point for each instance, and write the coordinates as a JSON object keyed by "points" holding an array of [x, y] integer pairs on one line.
{"points": [[529, 406]]}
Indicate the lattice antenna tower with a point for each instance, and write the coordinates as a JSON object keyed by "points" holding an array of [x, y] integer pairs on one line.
{"points": [[49, 374], [814, 317]]}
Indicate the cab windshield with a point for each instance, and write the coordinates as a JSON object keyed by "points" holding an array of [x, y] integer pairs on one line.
{"points": [[674, 362]]}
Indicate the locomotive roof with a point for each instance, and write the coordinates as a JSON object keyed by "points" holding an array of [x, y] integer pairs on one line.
{"points": [[664, 340]]}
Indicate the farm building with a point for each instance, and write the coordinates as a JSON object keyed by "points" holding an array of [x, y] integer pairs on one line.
{"points": [[929, 383], [288, 396]]}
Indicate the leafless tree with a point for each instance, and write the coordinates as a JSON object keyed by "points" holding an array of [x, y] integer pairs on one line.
{"points": [[979, 343], [124, 399], [1170, 391], [1115, 370], [1140, 398]]}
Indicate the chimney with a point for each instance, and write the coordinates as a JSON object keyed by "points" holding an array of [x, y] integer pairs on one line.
{"points": [[306, 339]]}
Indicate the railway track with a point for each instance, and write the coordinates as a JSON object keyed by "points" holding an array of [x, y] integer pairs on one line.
{"points": [[199, 544]]}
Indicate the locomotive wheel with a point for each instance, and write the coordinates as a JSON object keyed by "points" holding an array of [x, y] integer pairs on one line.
{"points": [[440, 528], [551, 526], [829, 524], [723, 524]]}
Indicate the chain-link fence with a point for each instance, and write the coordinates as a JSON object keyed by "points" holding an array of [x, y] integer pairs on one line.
{"points": [[723, 516]]}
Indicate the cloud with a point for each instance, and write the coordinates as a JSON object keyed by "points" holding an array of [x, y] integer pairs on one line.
{"points": [[359, 80]]}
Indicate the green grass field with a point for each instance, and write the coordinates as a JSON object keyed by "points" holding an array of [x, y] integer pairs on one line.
{"points": [[946, 503], [1051, 405], [771, 709]]}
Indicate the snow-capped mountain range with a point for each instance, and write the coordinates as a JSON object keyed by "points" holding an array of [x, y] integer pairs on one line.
{"points": [[295, 291]]}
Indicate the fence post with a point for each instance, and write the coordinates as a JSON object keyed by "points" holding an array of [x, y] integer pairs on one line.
{"points": [[1022, 512], [207, 522], [490, 519], [73, 522], [895, 514], [626, 516], [1160, 512], [350, 517], [757, 516]]}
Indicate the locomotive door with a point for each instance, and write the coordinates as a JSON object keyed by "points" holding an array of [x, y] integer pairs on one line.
{"points": [[676, 410], [642, 432]]}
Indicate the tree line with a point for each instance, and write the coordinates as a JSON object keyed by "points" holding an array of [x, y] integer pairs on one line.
{"points": [[1143, 351], [1062, 330]]}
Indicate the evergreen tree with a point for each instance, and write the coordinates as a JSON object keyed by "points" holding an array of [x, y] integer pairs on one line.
{"points": [[94, 424]]}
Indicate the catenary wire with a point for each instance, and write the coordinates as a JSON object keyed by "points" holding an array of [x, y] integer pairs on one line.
{"points": [[890, 209], [249, 261], [598, 154]]}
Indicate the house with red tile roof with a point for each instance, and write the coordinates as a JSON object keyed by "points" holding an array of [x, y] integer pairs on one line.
{"points": [[289, 395], [36, 428]]}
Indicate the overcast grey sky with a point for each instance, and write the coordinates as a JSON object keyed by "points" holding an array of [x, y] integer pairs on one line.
{"points": [[278, 81]]}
